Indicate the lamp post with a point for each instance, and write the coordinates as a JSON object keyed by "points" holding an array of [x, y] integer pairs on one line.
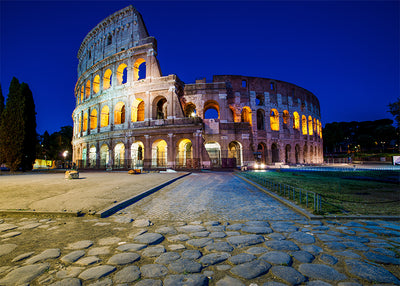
{"points": [[65, 154]]}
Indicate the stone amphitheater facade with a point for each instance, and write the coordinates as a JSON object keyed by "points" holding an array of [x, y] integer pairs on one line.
{"points": [[128, 115]]}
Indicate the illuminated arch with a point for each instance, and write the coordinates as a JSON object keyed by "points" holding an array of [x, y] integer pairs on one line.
{"points": [[92, 156], [310, 125], [286, 117], [315, 125], [304, 124], [137, 154], [246, 115], [107, 79], [119, 113], [122, 74], [82, 93], [185, 152], [96, 84], [87, 89], [119, 155], [85, 121], [80, 123], [160, 107], [93, 119], [138, 67], [159, 153], [262, 154], [296, 120], [214, 152], [190, 109], [105, 116], [104, 157], [211, 110], [137, 113], [235, 151], [260, 119], [274, 119]]}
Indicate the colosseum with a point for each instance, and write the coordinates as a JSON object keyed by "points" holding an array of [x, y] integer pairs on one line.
{"points": [[128, 115]]}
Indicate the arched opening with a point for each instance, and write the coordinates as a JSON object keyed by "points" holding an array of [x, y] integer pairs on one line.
{"points": [[190, 110], [211, 110], [85, 121], [92, 157], [122, 74], [297, 153], [160, 108], [260, 119], [137, 155], [296, 120], [139, 69], [275, 153], [93, 119], [84, 157], [235, 154], [96, 84], [288, 149], [274, 119], [214, 152], [305, 154], [318, 130], [137, 113], [311, 154], [304, 124], [286, 119], [246, 115], [159, 154], [109, 40], [260, 99], [119, 155], [185, 153], [310, 125], [87, 89], [107, 79], [104, 116], [261, 155], [80, 123], [119, 113], [315, 125], [104, 158], [82, 93]]}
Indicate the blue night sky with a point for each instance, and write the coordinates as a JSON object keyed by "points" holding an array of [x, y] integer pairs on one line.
{"points": [[345, 52]]}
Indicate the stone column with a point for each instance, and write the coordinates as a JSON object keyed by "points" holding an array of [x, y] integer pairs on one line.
{"points": [[171, 151], [147, 152]]}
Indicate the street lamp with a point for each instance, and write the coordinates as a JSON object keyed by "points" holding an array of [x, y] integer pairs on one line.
{"points": [[65, 154]]}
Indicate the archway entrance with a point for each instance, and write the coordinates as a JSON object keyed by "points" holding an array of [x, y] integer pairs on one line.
{"points": [[184, 155], [92, 157], [261, 154], [119, 155], [288, 149], [137, 155], [235, 154], [104, 158], [297, 154], [214, 152], [159, 154], [275, 153]]}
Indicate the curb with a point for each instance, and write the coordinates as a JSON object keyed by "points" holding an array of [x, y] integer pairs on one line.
{"points": [[112, 210], [287, 203], [39, 213]]}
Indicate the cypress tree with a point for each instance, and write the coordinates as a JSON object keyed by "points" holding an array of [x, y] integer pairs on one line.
{"points": [[12, 127]]}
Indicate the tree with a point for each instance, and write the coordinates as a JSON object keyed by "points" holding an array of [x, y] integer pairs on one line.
{"points": [[394, 109], [1, 102]]}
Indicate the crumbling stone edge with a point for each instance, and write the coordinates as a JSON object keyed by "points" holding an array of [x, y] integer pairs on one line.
{"points": [[311, 216], [115, 208]]}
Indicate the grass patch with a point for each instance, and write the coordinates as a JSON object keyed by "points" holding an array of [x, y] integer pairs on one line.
{"points": [[349, 192]]}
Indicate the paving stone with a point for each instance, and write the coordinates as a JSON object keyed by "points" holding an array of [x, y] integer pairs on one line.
{"points": [[178, 238], [167, 258], [241, 258], [73, 256], [329, 238], [67, 282], [200, 242], [352, 223], [30, 226], [123, 219], [380, 245], [335, 245], [380, 258], [212, 223], [128, 274], [47, 254], [7, 248], [191, 254], [99, 250], [185, 266], [217, 234], [232, 233], [219, 246], [131, 247], [109, 240], [258, 223], [24, 274], [183, 280], [388, 232], [149, 282], [302, 237], [216, 228], [89, 260], [348, 284], [22, 256], [277, 257], [166, 230], [273, 283], [141, 223], [356, 238], [329, 259], [348, 254], [10, 234], [318, 283], [7, 226], [123, 258], [303, 256], [320, 271], [229, 281], [214, 258], [335, 233], [277, 236], [223, 267], [97, 272], [384, 251], [69, 272], [200, 234], [251, 269], [174, 247], [313, 249], [236, 226], [83, 244], [372, 273], [257, 250], [245, 240], [257, 229], [191, 228], [149, 238], [281, 245], [154, 251], [288, 274], [284, 227], [104, 282], [153, 270]]}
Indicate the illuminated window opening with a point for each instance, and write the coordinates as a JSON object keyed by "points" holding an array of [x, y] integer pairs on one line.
{"points": [[92, 156], [96, 84], [80, 124], [159, 153], [87, 89], [304, 124], [85, 121], [122, 74], [246, 115], [260, 119], [107, 78], [119, 113], [137, 154], [139, 69], [105, 116], [286, 117], [310, 125], [274, 119], [184, 152], [315, 125], [214, 152], [93, 119], [82, 93], [190, 110], [104, 158], [137, 113], [235, 151], [119, 155], [296, 120]]}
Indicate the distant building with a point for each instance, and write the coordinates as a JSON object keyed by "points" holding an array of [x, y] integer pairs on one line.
{"points": [[128, 115]]}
